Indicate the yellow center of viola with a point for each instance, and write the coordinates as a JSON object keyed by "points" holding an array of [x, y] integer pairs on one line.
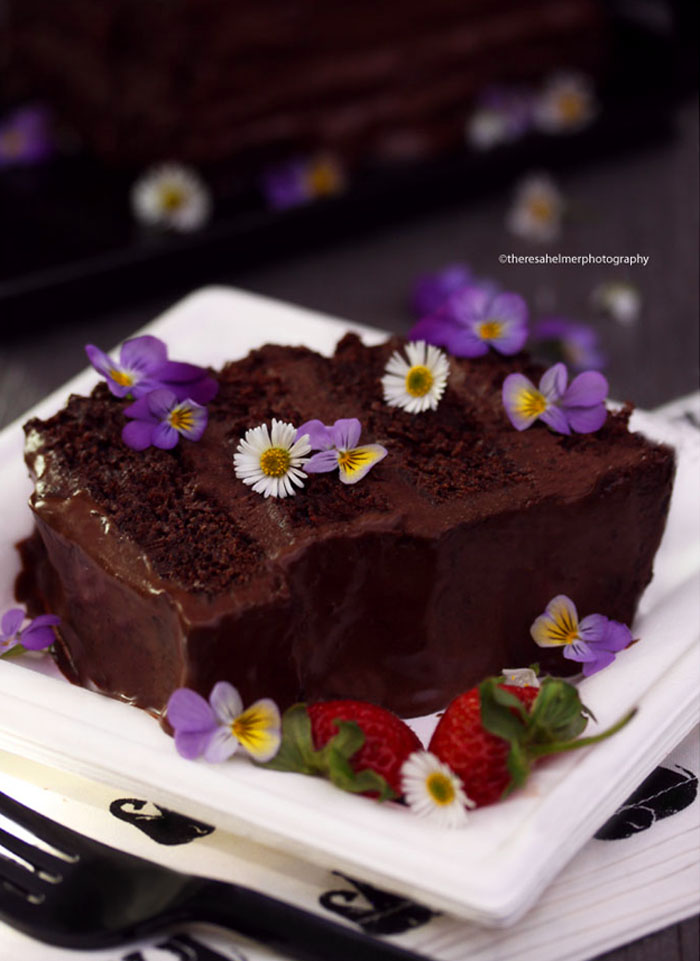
{"points": [[541, 209], [571, 106], [533, 403], [171, 197], [121, 377], [419, 380], [490, 329], [275, 462], [181, 418], [440, 788]]}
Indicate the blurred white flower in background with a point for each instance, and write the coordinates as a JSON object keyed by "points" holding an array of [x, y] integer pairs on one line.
{"points": [[619, 300], [565, 104], [171, 196], [537, 210]]}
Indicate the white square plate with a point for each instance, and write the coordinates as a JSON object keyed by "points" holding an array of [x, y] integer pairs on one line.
{"points": [[492, 870]]}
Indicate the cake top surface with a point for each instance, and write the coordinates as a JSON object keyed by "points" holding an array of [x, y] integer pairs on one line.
{"points": [[203, 530]]}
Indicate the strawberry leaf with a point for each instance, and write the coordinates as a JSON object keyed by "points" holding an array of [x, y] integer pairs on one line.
{"points": [[557, 714], [502, 713], [518, 765], [296, 752]]}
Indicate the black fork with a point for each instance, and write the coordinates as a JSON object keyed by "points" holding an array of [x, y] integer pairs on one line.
{"points": [[86, 895]]}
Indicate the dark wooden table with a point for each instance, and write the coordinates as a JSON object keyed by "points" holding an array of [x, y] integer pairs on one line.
{"points": [[643, 203]]}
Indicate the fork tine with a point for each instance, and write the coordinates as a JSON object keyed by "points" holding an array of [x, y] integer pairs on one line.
{"points": [[22, 879], [49, 866], [63, 839]]}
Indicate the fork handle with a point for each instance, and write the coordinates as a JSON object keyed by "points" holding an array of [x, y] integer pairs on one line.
{"points": [[288, 929]]}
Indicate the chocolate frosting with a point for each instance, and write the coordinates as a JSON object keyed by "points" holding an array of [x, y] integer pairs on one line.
{"points": [[403, 589]]}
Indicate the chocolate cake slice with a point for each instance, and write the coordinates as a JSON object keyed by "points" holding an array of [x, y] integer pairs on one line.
{"points": [[404, 589]]}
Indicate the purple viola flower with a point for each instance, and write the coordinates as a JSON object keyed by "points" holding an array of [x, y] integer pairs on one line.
{"points": [[36, 636], [136, 371], [432, 290], [579, 407], [338, 448], [159, 418], [216, 728], [593, 641], [25, 137], [143, 366], [474, 319], [577, 344]]}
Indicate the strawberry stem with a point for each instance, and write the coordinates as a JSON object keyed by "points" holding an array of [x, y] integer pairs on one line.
{"points": [[559, 747]]}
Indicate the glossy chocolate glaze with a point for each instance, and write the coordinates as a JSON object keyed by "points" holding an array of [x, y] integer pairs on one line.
{"points": [[404, 589]]}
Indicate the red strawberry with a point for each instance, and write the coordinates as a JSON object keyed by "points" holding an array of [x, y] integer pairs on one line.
{"points": [[388, 740], [359, 746], [492, 734], [477, 757]]}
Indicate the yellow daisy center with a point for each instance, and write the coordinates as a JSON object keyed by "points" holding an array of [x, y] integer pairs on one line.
{"points": [[181, 418], [121, 377], [571, 105], [541, 209], [419, 380], [440, 788], [171, 197], [275, 462], [490, 329]]}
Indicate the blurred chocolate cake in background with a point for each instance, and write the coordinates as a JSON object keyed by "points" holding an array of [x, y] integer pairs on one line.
{"points": [[210, 82], [354, 115]]}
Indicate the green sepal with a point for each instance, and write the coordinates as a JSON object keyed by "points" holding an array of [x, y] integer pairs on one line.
{"points": [[553, 724], [13, 651], [502, 713], [297, 753], [557, 714]]}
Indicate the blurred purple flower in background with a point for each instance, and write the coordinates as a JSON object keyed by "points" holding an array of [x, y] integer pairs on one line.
{"points": [[474, 319], [577, 344], [25, 137]]}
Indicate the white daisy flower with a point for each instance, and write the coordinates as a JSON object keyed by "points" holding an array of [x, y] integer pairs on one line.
{"points": [[171, 196], [520, 677], [486, 129], [270, 461], [431, 789], [618, 299], [416, 384], [537, 210], [566, 103]]}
